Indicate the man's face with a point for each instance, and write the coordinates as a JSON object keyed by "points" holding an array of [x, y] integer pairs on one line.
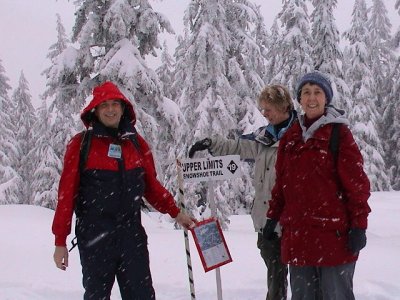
{"points": [[273, 114], [109, 113]]}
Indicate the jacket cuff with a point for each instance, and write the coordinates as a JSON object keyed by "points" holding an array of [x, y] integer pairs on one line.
{"points": [[60, 240], [362, 224], [174, 212]]}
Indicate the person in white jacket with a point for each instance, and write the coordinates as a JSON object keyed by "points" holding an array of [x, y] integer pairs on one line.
{"points": [[276, 106]]}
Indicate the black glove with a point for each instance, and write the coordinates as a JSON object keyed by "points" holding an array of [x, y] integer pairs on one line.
{"points": [[269, 230], [200, 145], [357, 239]]}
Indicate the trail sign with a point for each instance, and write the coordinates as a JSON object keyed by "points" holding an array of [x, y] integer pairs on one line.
{"points": [[211, 244], [211, 168]]}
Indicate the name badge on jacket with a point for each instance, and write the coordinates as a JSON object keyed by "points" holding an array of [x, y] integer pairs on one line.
{"points": [[115, 151]]}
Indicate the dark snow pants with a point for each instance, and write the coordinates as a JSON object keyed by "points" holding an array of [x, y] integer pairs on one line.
{"points": [[276, 271], [123, 256], [327, 283]]}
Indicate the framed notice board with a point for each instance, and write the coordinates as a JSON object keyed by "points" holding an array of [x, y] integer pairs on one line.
{"points": [[211, 245]]}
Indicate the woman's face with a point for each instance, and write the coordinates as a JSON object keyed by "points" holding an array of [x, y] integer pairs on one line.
{"points": [[273, 114], [312, 100]]}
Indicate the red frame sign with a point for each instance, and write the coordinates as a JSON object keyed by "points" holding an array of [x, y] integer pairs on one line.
{"points": [[211, 244]]}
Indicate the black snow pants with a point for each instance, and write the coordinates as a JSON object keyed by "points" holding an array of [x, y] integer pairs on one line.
{"points": [[276, 271], [117, 254]]}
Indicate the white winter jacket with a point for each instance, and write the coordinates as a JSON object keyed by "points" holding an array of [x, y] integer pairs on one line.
{"points": [[264, 177]]}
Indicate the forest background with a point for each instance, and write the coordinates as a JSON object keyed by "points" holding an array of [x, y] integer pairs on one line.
{"points": [[208, 84]]}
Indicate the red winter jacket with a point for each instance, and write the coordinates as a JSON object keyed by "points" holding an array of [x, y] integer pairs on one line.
{"points": [[315, 202], [107, 192]]}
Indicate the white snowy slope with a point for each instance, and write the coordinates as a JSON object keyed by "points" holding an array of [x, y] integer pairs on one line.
{"points": [[27, 271]]}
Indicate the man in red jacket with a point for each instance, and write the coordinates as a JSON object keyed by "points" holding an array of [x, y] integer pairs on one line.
{"points": [[106, 197]]}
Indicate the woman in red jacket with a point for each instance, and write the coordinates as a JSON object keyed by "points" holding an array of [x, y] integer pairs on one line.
{"points": [[106, 196], [320, 200]]}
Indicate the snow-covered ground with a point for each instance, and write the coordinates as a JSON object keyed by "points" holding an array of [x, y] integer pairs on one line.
{"points": [[27, 271]]}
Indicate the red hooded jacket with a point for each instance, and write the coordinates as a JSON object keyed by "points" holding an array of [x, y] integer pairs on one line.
{"points": [[98, 191], [317, 200]]}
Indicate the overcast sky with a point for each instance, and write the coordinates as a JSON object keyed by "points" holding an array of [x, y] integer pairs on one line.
{"points": [[28, 29]]}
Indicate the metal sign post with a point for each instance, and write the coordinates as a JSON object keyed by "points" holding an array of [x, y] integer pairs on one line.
{"points": [[213, 207], [211, 169], [185, 231]]}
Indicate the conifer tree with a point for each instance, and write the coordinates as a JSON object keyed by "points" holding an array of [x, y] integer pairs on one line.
{"points": [[4, 86], [114, 37], [25, 117], [294, 46], [382, 56], [326, 54], [9, 178], [165, 71], [47, 170], [58, 121], [396, 37], [383, 64], [263, 40], [391, 119], [220, 69], [392, 132], [272, 55], [180, 50], [61, 91], [363, 116]]}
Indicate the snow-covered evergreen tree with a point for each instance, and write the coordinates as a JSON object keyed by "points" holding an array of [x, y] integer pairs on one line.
{"points": [[219, 71], [24, 117], [9, 178], [57, 123], [272, 55], [383, 62], [114, 37], [263, 40], [61, 91], [4, 86], [180, 51], [165, 71], [382, 56], [363, 116], [391, 115], [396, 37], [47, 170], [294, 47], [391, 133], [327, 55]]}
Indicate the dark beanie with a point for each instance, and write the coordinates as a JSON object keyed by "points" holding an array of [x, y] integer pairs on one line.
{"points": [[319, 79]]}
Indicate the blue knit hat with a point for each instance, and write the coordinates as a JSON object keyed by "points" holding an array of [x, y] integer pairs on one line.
{"points": [[319, 79]]}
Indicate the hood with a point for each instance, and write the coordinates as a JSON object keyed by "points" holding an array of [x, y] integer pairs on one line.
{"points": [[104, 92], [332, 115], [270, 134]]}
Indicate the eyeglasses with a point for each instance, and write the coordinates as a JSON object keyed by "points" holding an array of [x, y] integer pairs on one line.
{"points": [[262, 110]]}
